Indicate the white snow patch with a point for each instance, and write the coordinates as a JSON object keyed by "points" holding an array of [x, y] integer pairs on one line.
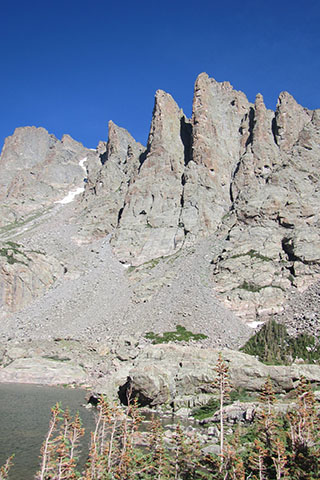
{"points": [[81, 163], [71, 195], [254, 324]]}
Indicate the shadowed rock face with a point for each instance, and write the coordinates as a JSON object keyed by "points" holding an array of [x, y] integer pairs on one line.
{"points": [[231, 195]]}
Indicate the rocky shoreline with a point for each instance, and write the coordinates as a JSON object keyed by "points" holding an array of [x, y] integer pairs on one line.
{"points": [[166, 375]]}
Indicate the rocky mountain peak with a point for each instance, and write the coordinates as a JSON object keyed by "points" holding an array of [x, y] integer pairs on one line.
{"points": [[166, 125], [149, 222], [230, 196], [290, 119], [36, 170]]}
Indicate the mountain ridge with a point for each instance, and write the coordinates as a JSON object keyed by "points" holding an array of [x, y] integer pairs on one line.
{"points": [[231, 195]]}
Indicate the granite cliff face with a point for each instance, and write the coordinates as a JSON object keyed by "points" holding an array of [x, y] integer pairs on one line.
{"points": [[242, 175], [36, 170], [222, 207]]}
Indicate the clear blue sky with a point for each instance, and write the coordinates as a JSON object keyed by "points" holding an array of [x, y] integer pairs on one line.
{"points": [[71, 66]]}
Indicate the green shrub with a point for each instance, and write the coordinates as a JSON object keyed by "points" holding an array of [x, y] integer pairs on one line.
{"points": [[273, 345], [180, 335], [206, 410]]}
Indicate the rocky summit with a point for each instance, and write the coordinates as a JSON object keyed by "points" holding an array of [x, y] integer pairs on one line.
{"points": [[214, 225]]}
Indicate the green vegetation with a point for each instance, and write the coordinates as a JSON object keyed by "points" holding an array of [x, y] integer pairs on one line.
{"points": [[273, 345], [154, 262], [241, 395], [253, 254], [10, 250], [56, 358], [180, 335], [149, 264], [252, 287], [208, 410], [25, 220]]}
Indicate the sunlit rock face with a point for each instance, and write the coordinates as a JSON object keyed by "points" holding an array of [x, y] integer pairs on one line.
{"points": [[109, 177], [239, 169], [37, 169], [230, 195], [216, 141], [150, 223], [181, 190]]}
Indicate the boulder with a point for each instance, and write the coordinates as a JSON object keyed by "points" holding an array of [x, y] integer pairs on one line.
{"points": [[162, 373], [43, 371]]}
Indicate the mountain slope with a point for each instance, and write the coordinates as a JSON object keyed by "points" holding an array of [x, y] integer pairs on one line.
{"points": [[217, 216]]}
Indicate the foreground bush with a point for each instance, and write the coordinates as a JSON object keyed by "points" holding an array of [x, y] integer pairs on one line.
{"points": [[275, 446]]}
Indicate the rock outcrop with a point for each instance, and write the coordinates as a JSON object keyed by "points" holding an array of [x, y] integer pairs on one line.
{"points": [[243, 175], [173, 375], [272, 243], [109, 178], [150, 223], [166, 374], [43, 371], [216, 146], [24, 274], [36, 170], [229, 198]]}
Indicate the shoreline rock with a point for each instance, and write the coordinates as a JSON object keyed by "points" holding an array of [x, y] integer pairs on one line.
{"points": [[167, 374]]}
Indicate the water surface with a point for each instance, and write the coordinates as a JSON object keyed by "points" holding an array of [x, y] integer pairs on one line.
{"points": [[24, 420]]}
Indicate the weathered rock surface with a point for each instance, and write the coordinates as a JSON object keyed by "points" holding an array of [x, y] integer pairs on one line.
{"points": [[218, 214], [302, 312], [167, 373], [150, 224], [43, 371], [216, 146], [108, 181], [240, 174], [273, 236], [24, 274], [176, 375], [36, 170]]}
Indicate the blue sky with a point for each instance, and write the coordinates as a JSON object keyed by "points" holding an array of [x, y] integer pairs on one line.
{"points": [[72, 66]]}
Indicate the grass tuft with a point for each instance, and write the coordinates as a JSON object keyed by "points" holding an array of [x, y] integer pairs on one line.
{"points": [[180, 335]]}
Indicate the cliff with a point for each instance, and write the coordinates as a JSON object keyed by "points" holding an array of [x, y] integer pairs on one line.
{"points": [[217, 216]]}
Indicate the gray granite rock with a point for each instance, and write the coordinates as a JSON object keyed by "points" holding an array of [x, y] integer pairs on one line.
{"points": [[149, 226], [36, 170], [218, 215], [162, 373]]}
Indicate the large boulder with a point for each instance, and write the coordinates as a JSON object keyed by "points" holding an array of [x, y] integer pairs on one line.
{"points": [[163, 374]]}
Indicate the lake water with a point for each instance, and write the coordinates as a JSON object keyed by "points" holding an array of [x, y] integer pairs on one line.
{"points": [[24, 421]]}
